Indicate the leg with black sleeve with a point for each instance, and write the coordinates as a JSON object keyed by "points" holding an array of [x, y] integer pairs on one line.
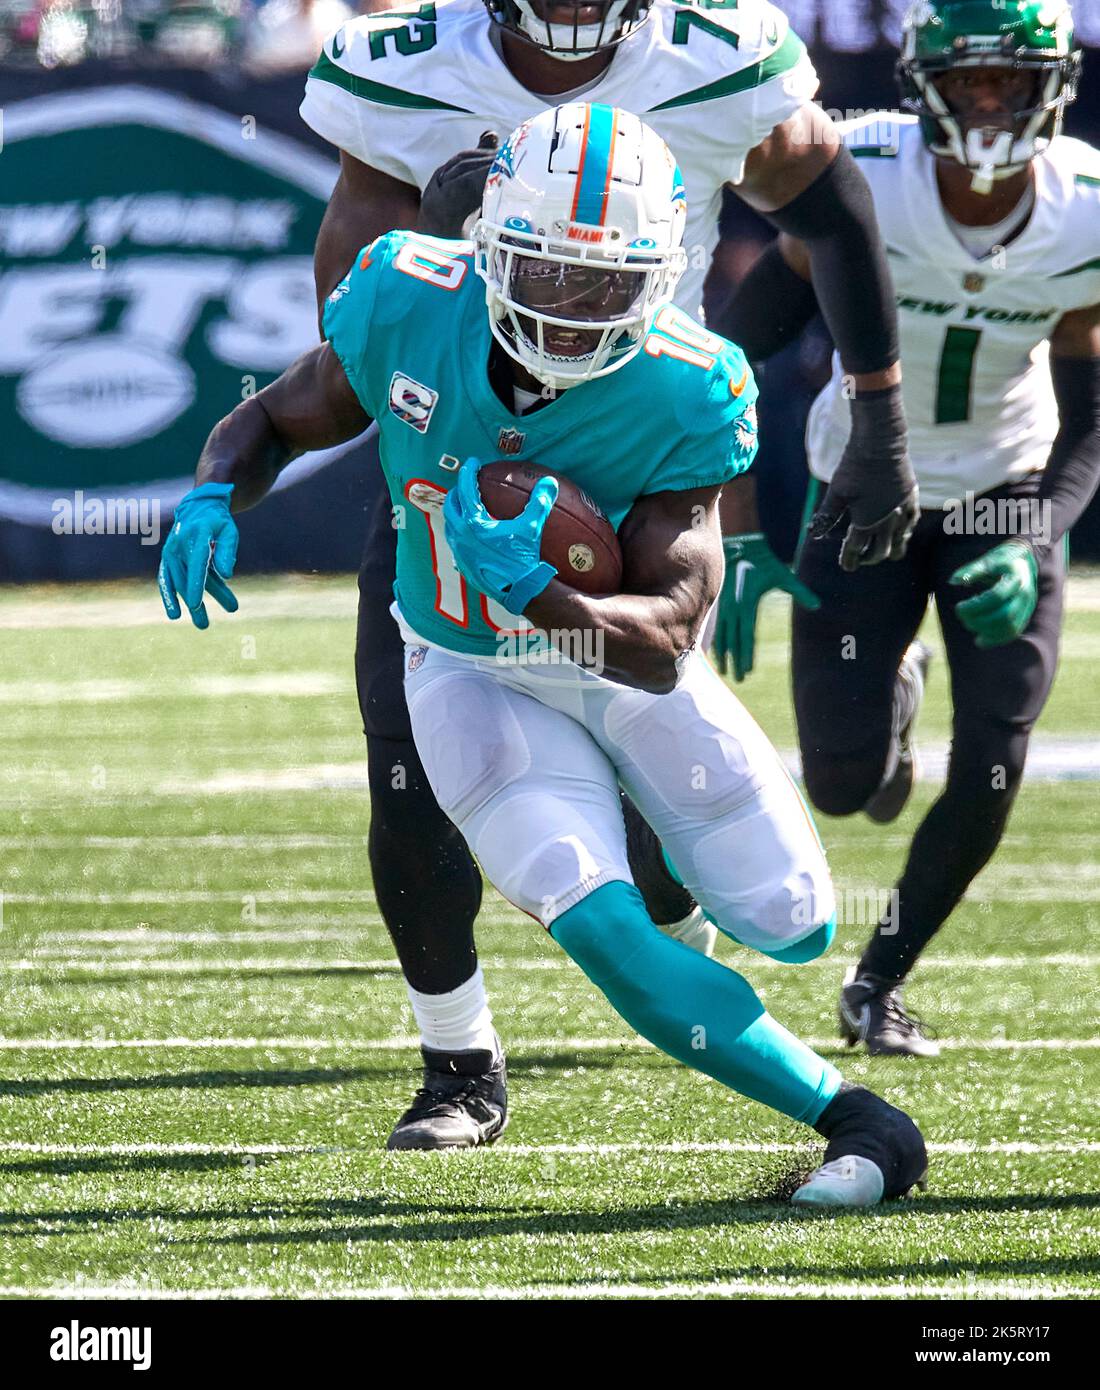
{"points": [[997, 695]]}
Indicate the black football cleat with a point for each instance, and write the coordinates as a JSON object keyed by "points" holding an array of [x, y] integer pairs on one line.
{"points": [[886, 802], [871, 1011], [875, 1152], [462, 1103]]}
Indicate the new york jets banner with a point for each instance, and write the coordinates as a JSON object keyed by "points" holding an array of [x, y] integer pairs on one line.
{"points": [[155, 266]]}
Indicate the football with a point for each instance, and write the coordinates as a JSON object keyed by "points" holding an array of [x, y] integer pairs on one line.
{"points": [[578, 540]]}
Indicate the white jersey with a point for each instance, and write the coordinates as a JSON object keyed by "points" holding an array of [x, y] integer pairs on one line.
{"points": [[974, 334], [402, 92]]}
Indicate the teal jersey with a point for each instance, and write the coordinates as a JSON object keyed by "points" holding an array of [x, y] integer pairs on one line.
{"points": [[410, 326]]}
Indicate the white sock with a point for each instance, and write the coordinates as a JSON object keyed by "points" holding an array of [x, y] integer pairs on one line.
{"points": [[695, 930], [459, 1021]]}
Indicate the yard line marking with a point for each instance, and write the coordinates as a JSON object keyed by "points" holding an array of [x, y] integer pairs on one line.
{"points": [[1065, 889], [60, 961], [127, 844], [61, 956], [1051, 758], [50, 612], [954, 1147], [411, 1043], [191, 896], [264, 842], [275, 684], [728, 1288]]}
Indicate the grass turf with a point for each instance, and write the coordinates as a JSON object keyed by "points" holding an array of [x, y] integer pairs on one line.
{"points": [[206, 1037]]}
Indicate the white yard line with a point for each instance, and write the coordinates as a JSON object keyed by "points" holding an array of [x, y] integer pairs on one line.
{"points": [[747, 1288], [1080, 883], [955, 1147], [122, 690], [61, 961], [410, 1043], [128, 844]]}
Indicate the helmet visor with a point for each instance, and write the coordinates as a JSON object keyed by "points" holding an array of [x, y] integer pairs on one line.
{"points": [[586, 293], [995, 98]]}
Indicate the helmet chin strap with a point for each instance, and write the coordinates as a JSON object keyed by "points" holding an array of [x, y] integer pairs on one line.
{"points": [[989, 161]]}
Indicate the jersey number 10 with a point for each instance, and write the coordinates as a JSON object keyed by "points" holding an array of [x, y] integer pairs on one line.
{"points": [[451, 593]]}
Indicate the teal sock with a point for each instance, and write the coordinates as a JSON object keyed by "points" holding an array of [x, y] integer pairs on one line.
{"points": [[695, 1009]]}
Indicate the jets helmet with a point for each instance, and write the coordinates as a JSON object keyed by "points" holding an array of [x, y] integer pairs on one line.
{"points": [[593, 25], [579, 240], [1031, 38]]}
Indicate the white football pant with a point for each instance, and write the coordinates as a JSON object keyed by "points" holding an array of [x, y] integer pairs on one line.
{"points": [[527, 761]]}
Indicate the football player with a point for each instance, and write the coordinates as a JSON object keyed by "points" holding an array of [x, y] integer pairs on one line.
{"points": [[992, 221], [554, 324], [406, 98]]}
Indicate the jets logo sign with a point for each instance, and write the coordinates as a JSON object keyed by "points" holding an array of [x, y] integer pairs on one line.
{"points": [[155, 268]]}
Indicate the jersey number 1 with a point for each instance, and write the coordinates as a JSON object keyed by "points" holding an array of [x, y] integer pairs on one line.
{"points": [[956, 376]]}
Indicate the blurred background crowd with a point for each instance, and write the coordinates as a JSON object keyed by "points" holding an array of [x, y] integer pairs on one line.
{"points": [[265, 35], [259, 35]]}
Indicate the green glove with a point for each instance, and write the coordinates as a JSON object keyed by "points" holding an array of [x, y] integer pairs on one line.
{"points": [[751, 570], [1009, 578]]}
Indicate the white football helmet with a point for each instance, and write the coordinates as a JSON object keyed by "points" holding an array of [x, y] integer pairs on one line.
{"points": [[579, 240]]}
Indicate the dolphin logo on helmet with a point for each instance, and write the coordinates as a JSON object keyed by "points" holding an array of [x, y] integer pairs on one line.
{"points": [[582, 244]]}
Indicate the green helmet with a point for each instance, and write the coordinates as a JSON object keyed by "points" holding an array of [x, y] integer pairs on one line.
{"points": [[1027, 35]]}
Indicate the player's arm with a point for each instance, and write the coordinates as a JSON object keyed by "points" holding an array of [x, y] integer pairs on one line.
{"points": [[1007, 576], [672, 571], [804, 180], [311, 406], [1073, 469], [364, 204]]}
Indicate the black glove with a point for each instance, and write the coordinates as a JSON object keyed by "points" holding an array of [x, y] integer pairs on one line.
{"points": [[873, 486], [456, 188]]}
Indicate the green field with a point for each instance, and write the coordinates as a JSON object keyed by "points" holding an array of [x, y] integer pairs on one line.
{"points": [[206, 1037]]}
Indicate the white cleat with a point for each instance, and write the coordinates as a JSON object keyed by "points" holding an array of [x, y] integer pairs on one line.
{"points": [[695, 930], [851, 1181]]}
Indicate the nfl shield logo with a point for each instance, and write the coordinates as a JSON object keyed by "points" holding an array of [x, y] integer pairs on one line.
{"points": [[510, 441], [416, 658], [973, 282]]}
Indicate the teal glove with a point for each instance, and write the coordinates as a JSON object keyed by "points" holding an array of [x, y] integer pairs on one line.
{"points": [[1009, 578], [751, 570], [199, 554], [501, 558]]}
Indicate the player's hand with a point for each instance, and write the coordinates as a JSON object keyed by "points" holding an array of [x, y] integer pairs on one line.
{"points": [[752, 569], [501, 558], [874, 486], [1008, 576], [199, 554], [456, 188]]}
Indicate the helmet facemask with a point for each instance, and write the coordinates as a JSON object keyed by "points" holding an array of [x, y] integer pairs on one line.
{"points": [[589, 26], [1004, 145], [569, 312]]}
